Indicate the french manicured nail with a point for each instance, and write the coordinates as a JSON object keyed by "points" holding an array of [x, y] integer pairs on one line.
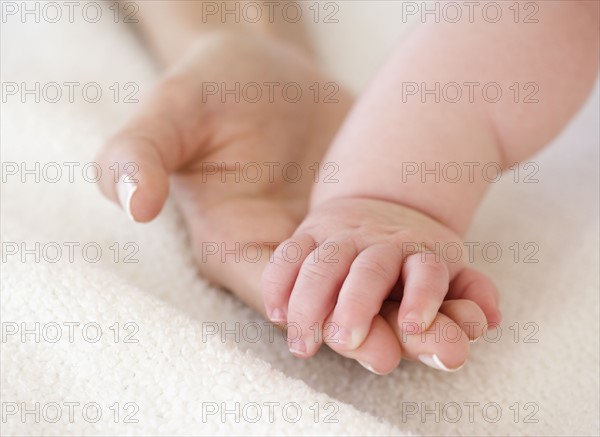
{"points": [[368, 367], [277, 316], [298, 347], [434, 362], [125, 191]]}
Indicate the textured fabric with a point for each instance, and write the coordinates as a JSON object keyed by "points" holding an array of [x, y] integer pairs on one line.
{"points": [[541, 375]]}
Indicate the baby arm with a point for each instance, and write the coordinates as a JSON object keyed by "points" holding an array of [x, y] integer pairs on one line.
{"points": [[557, 57], [375, 209]]}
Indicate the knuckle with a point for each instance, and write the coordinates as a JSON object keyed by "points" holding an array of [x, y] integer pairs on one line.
{"points": [[272, 290], [406, 237], [435, 266], [355, 306], [372, 267], [301, 316], [315, 271], [428, 262], [288, 252], [278, 259]]}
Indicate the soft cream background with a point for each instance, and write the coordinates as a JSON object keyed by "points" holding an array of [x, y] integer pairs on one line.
{"points": [[171, 371]]}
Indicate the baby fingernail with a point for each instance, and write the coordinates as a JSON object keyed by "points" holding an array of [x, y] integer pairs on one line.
{"points": [[341, 336], [415, 322], [434, 362], [429, 316], [412, 323], [499, 316], [298, 347], [125, 191], [277, 316], [350, 339]]}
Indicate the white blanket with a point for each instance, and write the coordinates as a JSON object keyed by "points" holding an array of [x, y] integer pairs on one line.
{"points": [[145, 344]]}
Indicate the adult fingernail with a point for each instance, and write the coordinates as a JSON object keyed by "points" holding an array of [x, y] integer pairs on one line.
{"points": [[126, 188], [434, 362], [369, 367]]}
